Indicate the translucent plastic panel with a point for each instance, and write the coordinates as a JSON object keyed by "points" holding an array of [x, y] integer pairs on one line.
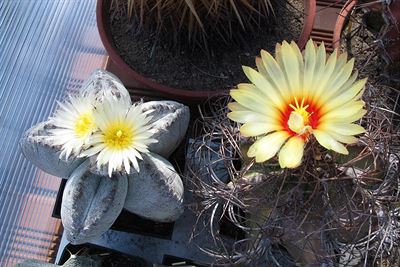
{"points": [[47, 49]]}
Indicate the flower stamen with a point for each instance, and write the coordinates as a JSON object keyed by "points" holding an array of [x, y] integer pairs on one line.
{"points": [[299, 119], [84, 125], [118, 136]]}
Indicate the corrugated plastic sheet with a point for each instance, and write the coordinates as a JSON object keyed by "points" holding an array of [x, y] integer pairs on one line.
{"points": [[47, 49]]}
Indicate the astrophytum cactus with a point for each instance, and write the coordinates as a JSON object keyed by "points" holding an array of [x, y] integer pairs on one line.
{"points": [[38, 148], [102, 182]]}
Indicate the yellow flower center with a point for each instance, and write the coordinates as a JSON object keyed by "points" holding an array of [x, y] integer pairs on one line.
{"points": [[118, 136], [298, 120], [84, 125]]}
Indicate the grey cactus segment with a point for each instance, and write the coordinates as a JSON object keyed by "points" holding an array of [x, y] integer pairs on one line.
{"points": [[34, 263], [105, 85], [37, 148], [91, 203], [83, 261], [171, 120], [156, 192]]}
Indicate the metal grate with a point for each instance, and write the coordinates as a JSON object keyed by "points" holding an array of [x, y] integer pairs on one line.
{"points": [[47, 49]]}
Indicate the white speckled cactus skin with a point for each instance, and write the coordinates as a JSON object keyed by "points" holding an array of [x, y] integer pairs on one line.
{"points": [[172, 121], [92, 201], [159, 179], [105, 84], [44, 155]]}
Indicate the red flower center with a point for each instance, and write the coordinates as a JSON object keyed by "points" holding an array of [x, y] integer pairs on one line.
{"points": [[300, 117]]}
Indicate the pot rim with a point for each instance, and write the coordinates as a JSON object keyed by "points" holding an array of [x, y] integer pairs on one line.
{"points": [[341, 19]]}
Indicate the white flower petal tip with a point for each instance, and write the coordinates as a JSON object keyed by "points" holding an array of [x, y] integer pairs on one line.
{"points": [[105, 85], [124, 134], [291, 154], [91, 204], [106, 171], [38, 148], [156, 193], [300, 96], [170, 121]]}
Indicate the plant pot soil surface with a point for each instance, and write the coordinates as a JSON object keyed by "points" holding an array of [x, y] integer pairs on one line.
{"points": [[219, 69]]}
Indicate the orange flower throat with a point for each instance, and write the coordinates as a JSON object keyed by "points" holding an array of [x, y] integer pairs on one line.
{"points": [[300, 118]]}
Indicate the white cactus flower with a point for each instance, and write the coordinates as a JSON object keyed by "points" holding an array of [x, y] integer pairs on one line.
{"points": [[124, 133], [74, 125]]}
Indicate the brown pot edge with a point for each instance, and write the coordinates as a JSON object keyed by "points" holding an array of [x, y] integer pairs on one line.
{"points": [[342, 16]]}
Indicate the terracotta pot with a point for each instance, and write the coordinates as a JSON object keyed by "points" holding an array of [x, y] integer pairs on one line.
{"points": [[341, 19], [391, 32], [145, 86], [327, 24], [310, 7]]}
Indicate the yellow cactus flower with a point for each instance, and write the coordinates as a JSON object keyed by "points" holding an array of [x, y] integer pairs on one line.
{"points": [[74, 124], [292, 97], [124, 133]]}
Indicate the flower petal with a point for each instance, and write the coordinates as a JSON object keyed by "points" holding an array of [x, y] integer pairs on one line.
{"points": [[258, 128], [235, 106], [326, 75], [246, 100], [309, 65], [345, 96], [264, 86], [93, 150], [347, 139], [290, 64], [254, 102], [344, 111], [327, 141], [275, 74], [291, 153], [267, 147], [251, 116], [343, 128], [319, 67]]}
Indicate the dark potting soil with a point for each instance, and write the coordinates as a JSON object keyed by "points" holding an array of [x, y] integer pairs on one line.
{"points": [[221, 67]]}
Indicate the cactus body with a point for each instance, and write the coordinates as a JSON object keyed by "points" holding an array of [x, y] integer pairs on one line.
{"points": [[171, 121], [91, 203], [156, 192], [37, 148]]}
